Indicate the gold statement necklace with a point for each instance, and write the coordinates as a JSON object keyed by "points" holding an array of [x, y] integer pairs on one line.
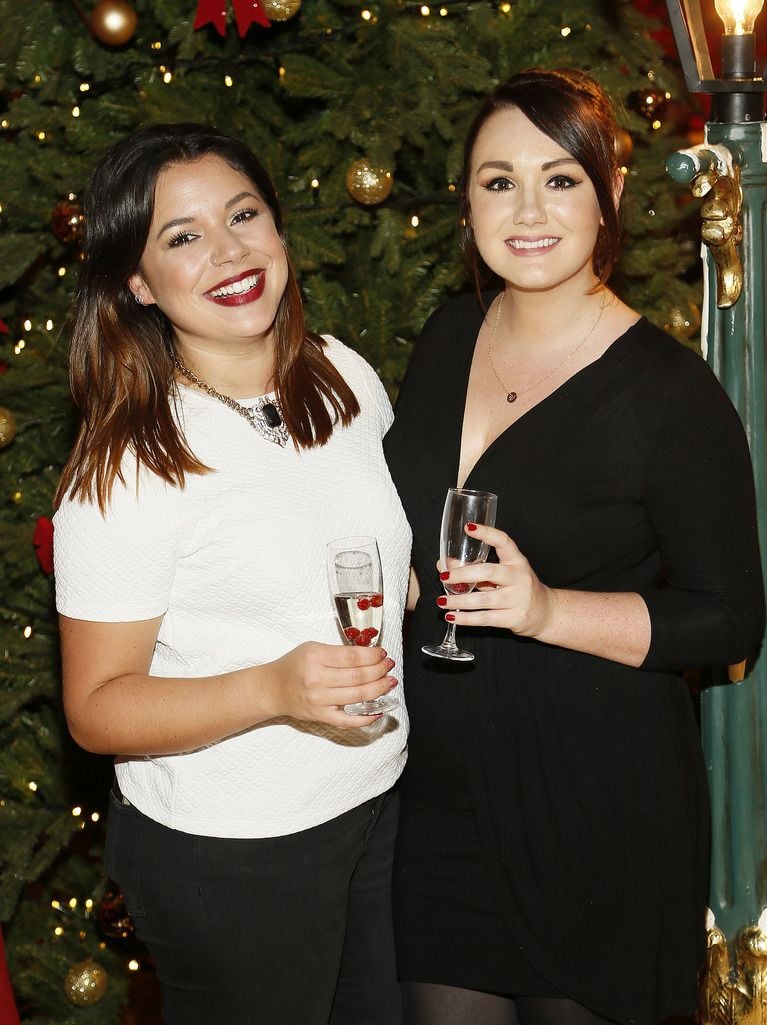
{"points": [[265, 416], [512, 396]]}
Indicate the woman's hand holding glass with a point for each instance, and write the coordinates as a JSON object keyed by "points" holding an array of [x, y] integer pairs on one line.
{"points": [[507, 595], [314, 681]]}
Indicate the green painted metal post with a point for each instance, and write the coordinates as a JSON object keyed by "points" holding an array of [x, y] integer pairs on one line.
{"points": [[734, 715]]}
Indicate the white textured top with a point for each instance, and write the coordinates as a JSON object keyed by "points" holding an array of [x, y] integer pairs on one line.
{"points": [[234, 562]]}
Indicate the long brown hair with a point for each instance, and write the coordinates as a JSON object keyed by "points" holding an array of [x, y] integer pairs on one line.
{"points": [[572, 109], [121, 358]]}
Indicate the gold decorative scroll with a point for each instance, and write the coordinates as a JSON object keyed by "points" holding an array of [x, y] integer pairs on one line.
{"points": [[722, 230], [735, 993]]}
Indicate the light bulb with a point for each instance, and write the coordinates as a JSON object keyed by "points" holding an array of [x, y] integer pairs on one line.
{"points": [[738, 16]]}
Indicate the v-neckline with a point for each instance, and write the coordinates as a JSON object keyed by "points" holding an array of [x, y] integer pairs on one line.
{"points": [[464, 390]]}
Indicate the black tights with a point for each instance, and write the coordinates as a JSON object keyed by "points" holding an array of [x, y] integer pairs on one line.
{"points": [[427, 1003]]}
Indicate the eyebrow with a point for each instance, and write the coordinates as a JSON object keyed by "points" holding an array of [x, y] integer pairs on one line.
{"points": [[505, 165], [227, 206]]}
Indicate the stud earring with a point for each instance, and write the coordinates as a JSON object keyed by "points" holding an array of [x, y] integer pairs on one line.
{"points": [[138, 298]]}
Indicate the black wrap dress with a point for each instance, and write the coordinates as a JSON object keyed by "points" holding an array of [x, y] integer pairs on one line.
{"points": [[554, 836]]}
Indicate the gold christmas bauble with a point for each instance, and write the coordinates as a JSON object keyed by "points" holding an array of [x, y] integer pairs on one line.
{"points": [[85, 983], [684, 323], [7, 427], [113, 22], [368, 184], [281, 10], [68, 220], [624, 147]]}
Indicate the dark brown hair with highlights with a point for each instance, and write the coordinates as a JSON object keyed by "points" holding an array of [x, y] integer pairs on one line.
{"points": [[572, 109], [121, 359]]}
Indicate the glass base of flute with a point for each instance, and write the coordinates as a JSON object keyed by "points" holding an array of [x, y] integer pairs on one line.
{"points": [[447, 648], [457, 548]]}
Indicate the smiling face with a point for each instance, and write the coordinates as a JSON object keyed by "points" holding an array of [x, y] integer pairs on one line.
{"points": [[214, 262], [534, 211]]}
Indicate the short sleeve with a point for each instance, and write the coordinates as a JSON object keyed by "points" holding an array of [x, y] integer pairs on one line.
{"points": [[116, 566]]}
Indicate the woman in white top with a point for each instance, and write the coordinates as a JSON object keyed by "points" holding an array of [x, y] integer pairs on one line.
{"points": [[222, 446]]}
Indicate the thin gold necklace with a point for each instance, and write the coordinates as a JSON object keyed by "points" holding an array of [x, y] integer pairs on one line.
{"points": [[265, 417], [512, 396]]}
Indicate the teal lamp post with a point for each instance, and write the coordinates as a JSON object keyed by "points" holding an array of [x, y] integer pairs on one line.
{"points": [[729, 172]]}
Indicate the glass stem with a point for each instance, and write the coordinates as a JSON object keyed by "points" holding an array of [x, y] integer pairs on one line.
{"points": [[448, 641]]}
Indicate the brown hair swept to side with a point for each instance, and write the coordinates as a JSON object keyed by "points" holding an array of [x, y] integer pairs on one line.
{"points": [[572, 109], [121, 359]]}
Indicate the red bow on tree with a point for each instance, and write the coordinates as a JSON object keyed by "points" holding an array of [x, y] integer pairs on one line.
{"points": [[42, 539], [245, 13]]}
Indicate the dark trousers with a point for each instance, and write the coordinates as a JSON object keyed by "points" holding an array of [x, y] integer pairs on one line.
{"points": [[292, 930]]}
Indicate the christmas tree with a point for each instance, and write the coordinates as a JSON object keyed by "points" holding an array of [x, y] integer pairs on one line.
{"points": [[358, 111]]}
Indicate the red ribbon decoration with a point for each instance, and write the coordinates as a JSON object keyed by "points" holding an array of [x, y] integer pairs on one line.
{"points": [[245, 12], [42, 539]]}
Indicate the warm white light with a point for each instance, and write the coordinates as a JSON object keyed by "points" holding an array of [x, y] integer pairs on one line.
{"points": [[77, 810], [366, 15], [58, 931], [27, 631], [75, 111], [27, 325], [41, 136], [32, 786], [62, 271], [49, 325], [228, 81], [73, 902], [738, 16], [167, 78], [414, 220], [425, 11], [95, 817], [566, 31], [443, 12], [315, 183], [133, 966], [84, 87]]}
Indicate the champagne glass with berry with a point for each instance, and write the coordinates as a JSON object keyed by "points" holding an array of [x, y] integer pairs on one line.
{"points": [[457, 548], [355, 578]]}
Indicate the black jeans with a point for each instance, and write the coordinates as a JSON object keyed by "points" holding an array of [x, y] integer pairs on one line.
{"points": [[291, 930]]}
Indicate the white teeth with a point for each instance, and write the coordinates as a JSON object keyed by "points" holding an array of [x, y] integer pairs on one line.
{"points": [[236, 287], [541, 243]]}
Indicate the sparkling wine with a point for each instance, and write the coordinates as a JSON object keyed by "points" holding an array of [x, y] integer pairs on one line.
{"points": [[360, 615]]}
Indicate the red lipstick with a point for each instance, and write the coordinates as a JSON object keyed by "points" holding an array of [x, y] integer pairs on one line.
{"points": [[252, 288]]}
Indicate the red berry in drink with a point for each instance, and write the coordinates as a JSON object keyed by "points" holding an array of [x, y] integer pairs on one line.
{"points": [[362, 641], [351, 633], [377, 601], [370, 632], [363, 604]]}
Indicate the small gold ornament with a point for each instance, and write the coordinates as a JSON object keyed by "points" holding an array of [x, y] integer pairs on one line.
{"points": [[367, 184], [68, 220], [624, 147], [85, 983], [684, 323], [281, 10], [113, 22], [7, 427]]}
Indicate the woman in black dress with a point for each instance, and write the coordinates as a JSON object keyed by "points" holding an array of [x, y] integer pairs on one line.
{"points": [[553, 852]]}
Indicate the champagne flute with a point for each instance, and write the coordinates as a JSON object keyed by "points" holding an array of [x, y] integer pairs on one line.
{"points": [[355, 578], [457, 548]]}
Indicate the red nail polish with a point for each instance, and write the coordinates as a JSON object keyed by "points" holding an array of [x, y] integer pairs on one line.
{"points": [[444, 576], [442, 602], [450, 617], [392, 682], [471, 526]]}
